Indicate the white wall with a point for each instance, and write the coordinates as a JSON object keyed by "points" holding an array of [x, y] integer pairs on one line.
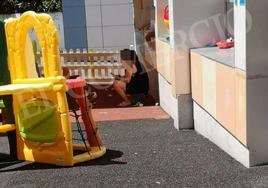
{"points": [[240, 36], [257, 79], [167, 101], [58, 19], [197, 23], [110, 23]]}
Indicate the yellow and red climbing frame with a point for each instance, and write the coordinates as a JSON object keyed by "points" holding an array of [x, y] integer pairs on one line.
{"points": [[52, 87]]}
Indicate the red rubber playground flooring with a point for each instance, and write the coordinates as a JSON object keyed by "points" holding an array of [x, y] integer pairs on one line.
{"points": [[104, 108], [131, 113], [122, 114], [108, 98]]}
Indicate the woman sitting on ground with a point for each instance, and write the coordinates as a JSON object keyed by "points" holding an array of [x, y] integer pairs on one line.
{"points": [[135, 82]]}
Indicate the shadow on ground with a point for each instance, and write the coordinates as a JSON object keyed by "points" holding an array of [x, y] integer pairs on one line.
{"points": [[9, 166], [6, 161]]}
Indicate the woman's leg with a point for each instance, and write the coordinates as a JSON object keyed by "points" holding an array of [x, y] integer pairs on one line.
{"points": [[120, 88]]}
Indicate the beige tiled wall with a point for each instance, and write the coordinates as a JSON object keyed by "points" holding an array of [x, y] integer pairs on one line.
{"points": [[180, 67], [240, 105], [173, 65], [163, 59], [197, 76], [209, 85], [226, 96], [221, 91]]}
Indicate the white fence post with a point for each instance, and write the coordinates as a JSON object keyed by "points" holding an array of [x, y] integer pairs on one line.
{"points": [[100, 64]]}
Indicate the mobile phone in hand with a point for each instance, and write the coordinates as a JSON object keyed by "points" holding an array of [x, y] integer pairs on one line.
{"points": [[115, 75]]}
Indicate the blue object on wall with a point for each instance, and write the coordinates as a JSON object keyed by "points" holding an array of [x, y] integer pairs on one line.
{"points": [[240, 2], [74, 18]]}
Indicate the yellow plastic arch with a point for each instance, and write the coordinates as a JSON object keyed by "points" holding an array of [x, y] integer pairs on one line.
{"points": [[17, 31], [52, 87]]}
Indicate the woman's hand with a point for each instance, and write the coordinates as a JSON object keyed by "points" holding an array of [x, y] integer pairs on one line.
{"points": [[117, 77]]}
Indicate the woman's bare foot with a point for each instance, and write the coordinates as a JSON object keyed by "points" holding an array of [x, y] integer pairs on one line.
{"points": [[124, 104]]}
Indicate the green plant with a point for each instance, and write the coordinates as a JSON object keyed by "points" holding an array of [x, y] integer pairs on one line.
{"points": [[19, 6]]}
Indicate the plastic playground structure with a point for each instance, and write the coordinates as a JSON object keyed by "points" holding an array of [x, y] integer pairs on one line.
{"points": [[40, 106]]}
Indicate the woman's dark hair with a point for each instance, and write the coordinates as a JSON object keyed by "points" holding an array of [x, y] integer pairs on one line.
{"points": [[128, 55]]}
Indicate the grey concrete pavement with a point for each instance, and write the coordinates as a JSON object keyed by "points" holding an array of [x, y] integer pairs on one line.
{"points": [[142, 153]]}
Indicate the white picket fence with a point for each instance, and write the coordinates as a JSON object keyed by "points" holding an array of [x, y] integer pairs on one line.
{"points": [[95, 66]]}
